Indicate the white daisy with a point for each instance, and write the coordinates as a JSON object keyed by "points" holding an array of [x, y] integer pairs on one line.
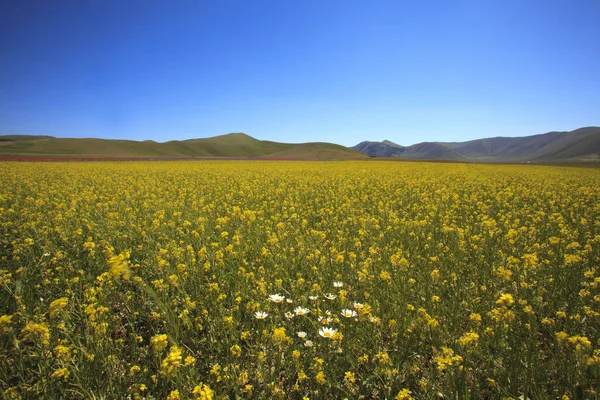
{"points": [[261, 315], [330, 296], [348, 313], [301, 334], [338, 284], [308, 343], [301, 311], [276, 298], [328, 333]]}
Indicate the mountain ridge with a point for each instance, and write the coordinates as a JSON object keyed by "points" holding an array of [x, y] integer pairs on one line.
{"points": [[581, 144], [231, 145]]}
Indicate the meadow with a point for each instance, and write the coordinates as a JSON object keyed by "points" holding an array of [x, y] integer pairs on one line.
{"points": [[263, 279]]}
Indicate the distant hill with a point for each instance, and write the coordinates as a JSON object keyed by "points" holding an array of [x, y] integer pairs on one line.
{"points": [[431, 151], [380, 149], [578, 145], [238, 145], [14, 138]]}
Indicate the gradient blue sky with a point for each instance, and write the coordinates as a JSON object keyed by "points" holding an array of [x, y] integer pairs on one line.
{"points": [[296, 71]]}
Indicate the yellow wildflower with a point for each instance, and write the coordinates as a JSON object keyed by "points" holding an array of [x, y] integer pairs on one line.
{"points": [[119, 267], [447, 359], [57, 306], [468, 338], [159, 342], [349, 377], [63, 353], [320, 377], [189, 360], [203, 392], [174, 395], [279, 335], [36, 332], [5, 321], [506, 299], [235, 350], [61, 373], [172, 362], [404, 394]]}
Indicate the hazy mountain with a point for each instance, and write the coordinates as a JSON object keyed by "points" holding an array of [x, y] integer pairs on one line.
{"points": [[230, 145], [578, 145]]}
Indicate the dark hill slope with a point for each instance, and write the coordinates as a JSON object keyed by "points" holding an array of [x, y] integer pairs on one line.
{"points": [[578, 145]]}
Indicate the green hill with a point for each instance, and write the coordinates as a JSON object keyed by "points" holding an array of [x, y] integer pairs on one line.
{"points": [[238, 145]]}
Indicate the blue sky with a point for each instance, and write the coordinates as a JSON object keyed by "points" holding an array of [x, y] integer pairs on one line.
{"points": [[296, 71]]}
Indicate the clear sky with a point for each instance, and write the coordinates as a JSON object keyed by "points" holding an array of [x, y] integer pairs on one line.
{"points": [[295, 71]]}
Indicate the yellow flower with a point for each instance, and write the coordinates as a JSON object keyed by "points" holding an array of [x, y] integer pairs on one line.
{"points": [[159, 342], [119, 267], [63, 353], [57, 306], [174, 395], [61, 373], [189, 360], [468, 338], [475, 317], [580, 342], [279, 335], [5, 321], [447, 359], [385, 276], [349, 377], [170, 365], [302, 376], [383, 358], [203, 392], [561, 337], [404, 394], [320, 377], [36, 332], [506, 299], [173, 280], [236, 350]]}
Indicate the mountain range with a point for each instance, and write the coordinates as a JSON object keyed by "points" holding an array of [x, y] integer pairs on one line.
{"points": [[232, 145], [579, 145]]}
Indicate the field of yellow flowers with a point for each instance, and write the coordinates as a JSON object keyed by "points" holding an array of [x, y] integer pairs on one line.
{"points": [[209, 280]]}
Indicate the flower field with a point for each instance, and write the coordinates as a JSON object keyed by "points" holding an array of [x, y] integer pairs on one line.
{"points": [[237, 279]]}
